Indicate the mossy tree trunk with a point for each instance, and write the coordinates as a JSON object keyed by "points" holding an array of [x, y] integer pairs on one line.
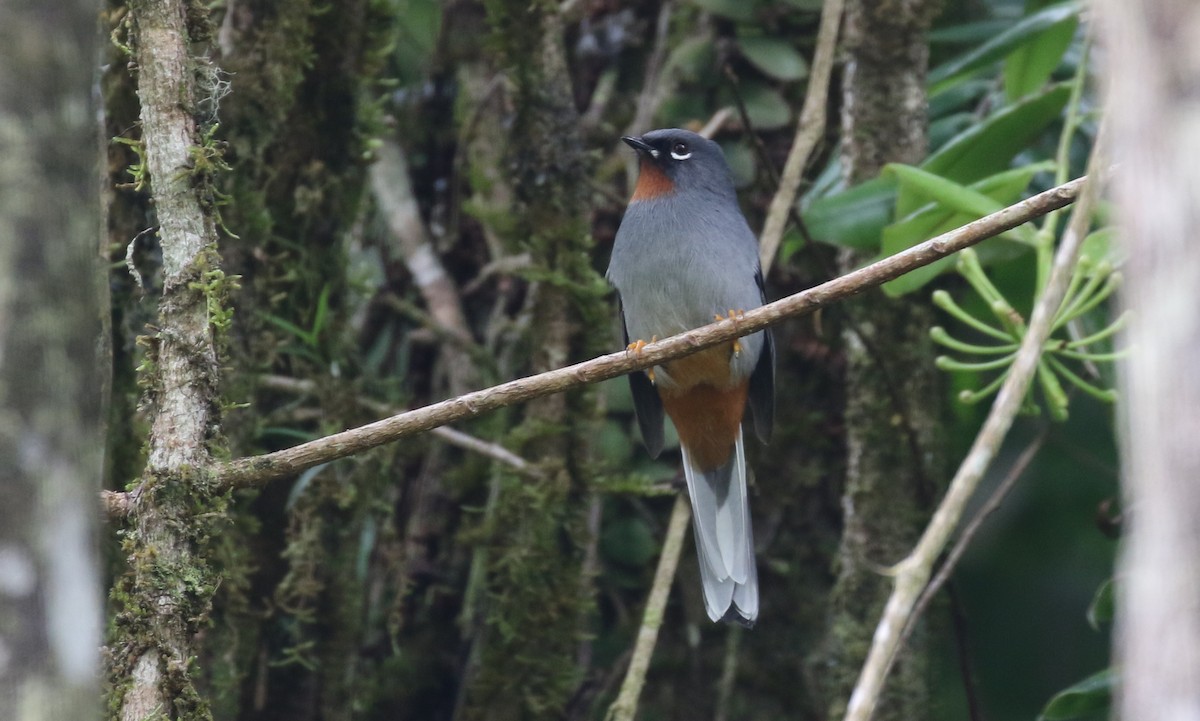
{"points": [[164, 597], [894, 458], [538, 601]]}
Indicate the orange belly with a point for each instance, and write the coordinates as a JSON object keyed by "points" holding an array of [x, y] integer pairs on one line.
{"points": [[705, 404]]}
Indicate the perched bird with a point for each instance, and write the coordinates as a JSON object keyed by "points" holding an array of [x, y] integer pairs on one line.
{"points": [[684, 257]]}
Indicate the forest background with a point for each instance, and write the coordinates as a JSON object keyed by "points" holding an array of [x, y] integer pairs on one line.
{"points": [[316, 215]]}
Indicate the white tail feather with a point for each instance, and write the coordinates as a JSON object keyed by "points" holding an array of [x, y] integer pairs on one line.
{"points": [[724, 539]]}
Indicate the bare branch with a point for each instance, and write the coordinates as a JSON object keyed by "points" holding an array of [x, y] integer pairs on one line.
{"points": [[624, 708], [257, 470], [972, 529], [913, 572], [809, 131], [261, 469], [454, 437], [393, 191]]}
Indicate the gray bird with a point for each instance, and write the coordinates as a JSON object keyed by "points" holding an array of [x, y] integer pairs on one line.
{"points": [[684, 257]]}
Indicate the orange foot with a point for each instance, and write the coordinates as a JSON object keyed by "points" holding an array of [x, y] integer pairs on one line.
{"points": [[636, 348], [733, 316]]}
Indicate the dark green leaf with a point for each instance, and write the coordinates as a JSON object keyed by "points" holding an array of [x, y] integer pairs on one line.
{"points": [[617, 396], [613, 443], [743, 163], [733, 9], [692, 58], [628, 541], [998, 46], [1028, 67], [854, 217], [1089, 696], [990, 147], [776, 58], [765, 106], [962, 97], [969, 33], [1100, 611]]}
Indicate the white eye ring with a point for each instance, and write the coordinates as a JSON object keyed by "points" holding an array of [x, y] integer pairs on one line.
{"points": [[678, 156]]}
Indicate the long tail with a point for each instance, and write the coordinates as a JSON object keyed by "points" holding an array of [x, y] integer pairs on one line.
{"points": [[724, 539]]}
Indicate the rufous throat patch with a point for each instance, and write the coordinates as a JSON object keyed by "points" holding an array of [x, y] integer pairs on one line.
{"points": [[652, 182]]}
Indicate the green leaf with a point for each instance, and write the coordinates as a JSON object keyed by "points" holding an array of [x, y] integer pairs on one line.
{"points": [[990, 146], [954, 205], [733, 9], [743, 163], [984, 197], [628, 541], [999, 46], [765, 106], [692, 58], [963, 97], [1100, 611], [776, 58], [1100, 246], [942, 191], [1089, 696], [971, 33], [613, 444], [854, 217], [1028, 67]]}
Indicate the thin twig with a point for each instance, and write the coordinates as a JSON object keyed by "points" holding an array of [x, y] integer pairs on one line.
{"points": [[450, 435], [972, 529], [654, 86], [962, 646], [913, 572], [258, 470], [716, 122], [625, 706], [733, 643], [809, 131], [392, 188]]}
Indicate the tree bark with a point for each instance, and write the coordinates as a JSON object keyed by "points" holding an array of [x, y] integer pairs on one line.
{"points": [[50, 372], [165, 596], [892, 399], [537, 610], [1153, 66]]}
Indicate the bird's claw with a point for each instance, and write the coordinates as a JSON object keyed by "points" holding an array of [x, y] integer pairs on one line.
{"points": [[733, 316], [636, 348]]}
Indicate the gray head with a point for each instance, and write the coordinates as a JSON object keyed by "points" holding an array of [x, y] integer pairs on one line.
{"points": [[674, 161]]}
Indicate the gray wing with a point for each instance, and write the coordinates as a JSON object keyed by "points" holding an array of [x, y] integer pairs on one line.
{"points": [[760, 408], [647, 405]]}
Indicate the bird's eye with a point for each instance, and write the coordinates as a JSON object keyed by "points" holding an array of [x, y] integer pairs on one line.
{"points": [[680, 151]]}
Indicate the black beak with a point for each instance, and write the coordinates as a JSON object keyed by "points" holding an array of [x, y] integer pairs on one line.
{"points": [[639, 145]]}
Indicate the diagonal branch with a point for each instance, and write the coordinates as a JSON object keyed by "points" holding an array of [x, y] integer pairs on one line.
{"points": [[809, 132], [912, 574], [258, 470]]}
